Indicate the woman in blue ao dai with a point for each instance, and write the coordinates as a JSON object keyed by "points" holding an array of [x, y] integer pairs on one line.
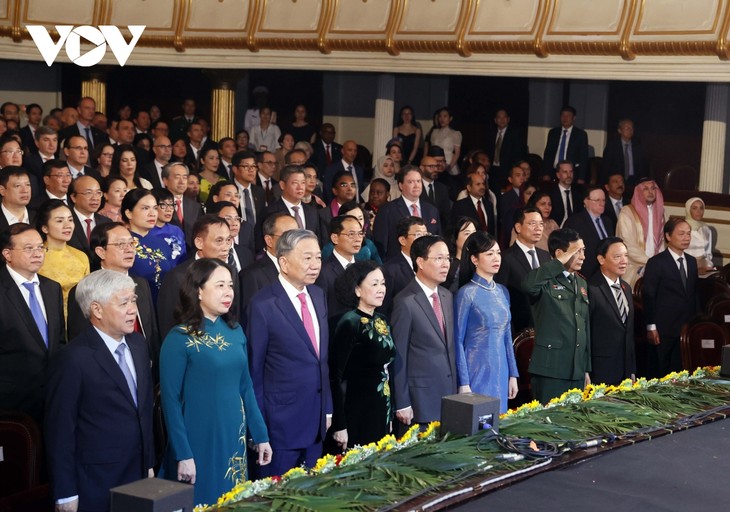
{"points": [[485, 359]]}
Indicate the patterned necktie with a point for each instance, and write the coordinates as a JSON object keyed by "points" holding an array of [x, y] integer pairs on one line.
{"points": [[682, 272], [533, 259], [179, 211], [618, 205], [248, 206], [599, 226], [438, 312], [122, 362], [88, 230], [623, 307], [232, 259], [300, 224], [416, 211], [308, 322], [36, 311]]}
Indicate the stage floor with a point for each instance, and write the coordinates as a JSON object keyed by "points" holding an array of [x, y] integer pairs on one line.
{"points": [[685, 471]]}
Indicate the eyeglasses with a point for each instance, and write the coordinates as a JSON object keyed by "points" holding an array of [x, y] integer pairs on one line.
{"points": [[30, 249], [62, 176], [90, 193], [354, 234], [127, 244], [440, 260], [12, 151], [167, 206], [79, 148], [230, 218], [418, 234]]}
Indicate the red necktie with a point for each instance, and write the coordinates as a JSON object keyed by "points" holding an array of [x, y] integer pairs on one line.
{"points": [[328, 153], [88, 230], [482, 217], [179, 211], [416, 211], [438, 312], [308, 322]]}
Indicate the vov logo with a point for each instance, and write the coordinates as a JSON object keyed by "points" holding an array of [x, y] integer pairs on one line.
{"points": [[100, 37]]}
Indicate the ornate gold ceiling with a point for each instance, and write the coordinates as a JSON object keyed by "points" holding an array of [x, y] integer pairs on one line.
{"points": [[529, 37]]}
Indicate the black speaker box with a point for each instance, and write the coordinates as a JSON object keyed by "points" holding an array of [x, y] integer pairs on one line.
{"points": [[152, 495], [468, 413]]}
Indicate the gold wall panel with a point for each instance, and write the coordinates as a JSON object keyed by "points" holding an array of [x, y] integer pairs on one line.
{"points": [[291, 16], [678, 16], [370, 16], [431, 16], [157, 16], [224, 15], [587, 17], [5, 9], [509, 18]]}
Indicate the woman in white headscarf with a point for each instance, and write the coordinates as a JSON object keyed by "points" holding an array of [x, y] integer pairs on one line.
{"points": [[701, 244], [386, 169]]}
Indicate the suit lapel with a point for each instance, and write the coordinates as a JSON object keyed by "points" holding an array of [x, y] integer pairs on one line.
{"points": [[16, 299], [427, 308], [522, 258], [610, 297], [105, 359]]}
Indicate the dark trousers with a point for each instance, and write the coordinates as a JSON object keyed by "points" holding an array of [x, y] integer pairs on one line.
{"points": [[665, 357], [283, 460]]}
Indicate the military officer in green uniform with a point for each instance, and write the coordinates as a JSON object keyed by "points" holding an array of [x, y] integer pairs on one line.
{"points": [[558, 297]]}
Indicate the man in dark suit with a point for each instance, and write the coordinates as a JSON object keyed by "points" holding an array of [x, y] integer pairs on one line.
{"points": [[593, 226], [476, 205], [83, 127], [288, 340], [509, 202], [252, 197], [624, 155], [293, 186], [27, 339], [112, 247], [613, 356], [347, 236], [566, 196], [76, 151], [27, 133], [505, 146], [398, 270], [264, 270], [152, 171], [180, 124], [46, 144], [561, 359], [266, 163], [175, 178], [615, 188], [241, 253], [670, 296], [326, 150], [423, 333], [567, 142], [15, 190], [99, 404], [197, 143], [517, 261], [212, 239], [434, 191], [344, 164], [86, 196], [409, 204]]}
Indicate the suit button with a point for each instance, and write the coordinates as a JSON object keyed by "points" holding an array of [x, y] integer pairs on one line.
{"points": [[550, 346], [578, 345], [560, 296]]}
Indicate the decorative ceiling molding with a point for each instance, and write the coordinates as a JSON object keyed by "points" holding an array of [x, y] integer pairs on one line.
{"points": [[637, 38]]}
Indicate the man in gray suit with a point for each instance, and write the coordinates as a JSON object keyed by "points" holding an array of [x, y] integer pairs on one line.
{"points": [[423, 331]]}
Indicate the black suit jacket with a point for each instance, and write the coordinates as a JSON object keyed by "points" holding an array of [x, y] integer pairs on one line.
{"points": [[441, 201], [512, 273], [577, 152], [311, 217], [331, 270], [666, 302], [78, 323], [585, 226], [390, 213], [613, 356], [78, 239], [577, 194], [398, 272], [245, 249], [329, 174], [257, 275], [149, 172], [4, 222], [514, 149], [507, 204], [92, 420], [70, 131], [613, 160], [191, 211], [465, 208], [28, 141], [319, 157], [23, 354]]}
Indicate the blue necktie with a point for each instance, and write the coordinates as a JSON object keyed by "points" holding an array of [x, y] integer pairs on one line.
{"points": [[601, 231], [126, 371], [561, 149], [37, 312], [88, 138]]}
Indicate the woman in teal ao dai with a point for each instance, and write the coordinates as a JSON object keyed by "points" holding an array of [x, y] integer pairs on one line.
{"points": [[485, 359], [361, 352], [206, 388]]}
